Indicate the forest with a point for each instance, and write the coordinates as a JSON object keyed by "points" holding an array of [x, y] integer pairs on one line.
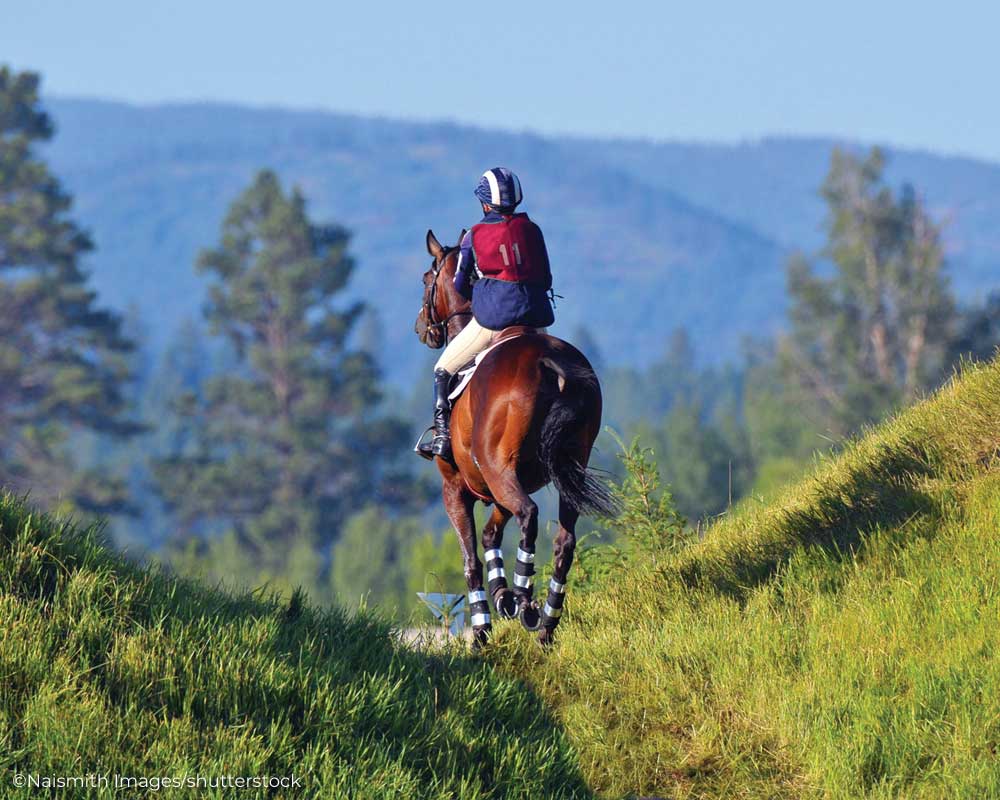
{"points": [[260, 443]]}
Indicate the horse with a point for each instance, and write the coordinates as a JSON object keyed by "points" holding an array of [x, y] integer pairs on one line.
{"points": [[528, 417]]}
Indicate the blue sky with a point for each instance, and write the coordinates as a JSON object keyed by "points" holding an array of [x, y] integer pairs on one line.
{"points": [[879, 71]]}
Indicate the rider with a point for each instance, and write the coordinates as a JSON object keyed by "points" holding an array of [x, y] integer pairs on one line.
{"points": [[506, 253]]}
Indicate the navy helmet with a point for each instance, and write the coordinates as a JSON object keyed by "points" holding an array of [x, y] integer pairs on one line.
{"points": [[499, 188]]}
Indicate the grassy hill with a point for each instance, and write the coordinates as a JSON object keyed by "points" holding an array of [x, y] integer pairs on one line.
{"points": [[840, 641], [108, 668]]}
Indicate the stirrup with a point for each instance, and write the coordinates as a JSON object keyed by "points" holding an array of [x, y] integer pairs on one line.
{"points": [[423, 449]]}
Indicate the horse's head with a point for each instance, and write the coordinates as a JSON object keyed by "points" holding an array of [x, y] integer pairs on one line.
{"points": [[442, 306]]}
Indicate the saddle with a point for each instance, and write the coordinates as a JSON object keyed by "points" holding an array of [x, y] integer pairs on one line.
{"points": [[464, 375], [461, 379]]}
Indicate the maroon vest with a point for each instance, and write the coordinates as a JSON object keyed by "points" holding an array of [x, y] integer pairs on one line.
{"points": [[511, 250]]}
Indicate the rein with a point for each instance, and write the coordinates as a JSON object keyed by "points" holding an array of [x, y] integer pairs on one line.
{"points": [[430, 303]]}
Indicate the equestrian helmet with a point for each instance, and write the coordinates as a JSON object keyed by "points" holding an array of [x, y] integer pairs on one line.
{"points": [[499, 188]]}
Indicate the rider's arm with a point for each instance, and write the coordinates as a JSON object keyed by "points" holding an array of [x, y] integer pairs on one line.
{"points": [[466, 264]]}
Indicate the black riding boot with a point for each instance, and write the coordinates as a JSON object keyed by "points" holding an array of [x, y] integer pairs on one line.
{"points": [[441, 445]]}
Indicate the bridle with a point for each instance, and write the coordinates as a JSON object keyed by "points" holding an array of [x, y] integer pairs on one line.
{"points": [[430, 302]]}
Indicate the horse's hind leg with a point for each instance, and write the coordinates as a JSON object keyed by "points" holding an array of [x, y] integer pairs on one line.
{"points": [[496, 577], [459, 503], [511, 496], [562, 557]]}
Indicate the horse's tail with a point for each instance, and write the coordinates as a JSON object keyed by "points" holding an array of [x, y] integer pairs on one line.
{"points": [[579, 393]]}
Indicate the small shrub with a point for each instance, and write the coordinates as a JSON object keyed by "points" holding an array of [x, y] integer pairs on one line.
{"points": [[647, 526]]}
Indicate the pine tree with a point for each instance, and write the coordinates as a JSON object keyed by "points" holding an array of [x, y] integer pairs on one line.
{"points": [[371, 561], [978, 331], [874, 333], [63, 360], [283, 446], [160, 380]]}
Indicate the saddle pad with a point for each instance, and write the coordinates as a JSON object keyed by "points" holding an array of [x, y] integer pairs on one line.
{"points": [[465, 375]]}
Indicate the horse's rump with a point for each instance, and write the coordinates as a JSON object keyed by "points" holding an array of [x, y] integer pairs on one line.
{"points": [[536, 401]]}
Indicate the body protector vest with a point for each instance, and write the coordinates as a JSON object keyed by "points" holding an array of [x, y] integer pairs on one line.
{"points": [[511, 249]]}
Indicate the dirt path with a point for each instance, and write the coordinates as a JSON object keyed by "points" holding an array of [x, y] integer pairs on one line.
{"points": [[430, 637]]}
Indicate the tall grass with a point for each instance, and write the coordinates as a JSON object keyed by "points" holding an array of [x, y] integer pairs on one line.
{"points": [[110, 669], [838, 642]]}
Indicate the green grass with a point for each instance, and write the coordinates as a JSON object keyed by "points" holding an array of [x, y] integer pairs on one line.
{"points": [[840, 641], [109, 668]]}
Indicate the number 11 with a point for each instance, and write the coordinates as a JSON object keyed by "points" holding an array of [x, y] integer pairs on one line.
{"points": [[517, 255]]}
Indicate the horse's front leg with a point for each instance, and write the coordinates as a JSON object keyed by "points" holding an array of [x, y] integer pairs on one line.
{"points": [[459, 503], [496, 577], [562, 557]]}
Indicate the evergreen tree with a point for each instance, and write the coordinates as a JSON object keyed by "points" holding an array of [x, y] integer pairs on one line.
{"points": [[281, 448], [63, 360], [371, 561], [874, 333], [632, 394], [978, 334], [782, 429], [703, 460], [585, 342], [162, 382]]}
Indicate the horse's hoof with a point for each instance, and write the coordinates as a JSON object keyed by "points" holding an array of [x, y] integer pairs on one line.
{"points": [[506, 604], [547, 637], [480, 636], [530, 616]]}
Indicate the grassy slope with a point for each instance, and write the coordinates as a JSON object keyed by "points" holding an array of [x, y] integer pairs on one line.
{"points": [[838, 642], [108, 668]]}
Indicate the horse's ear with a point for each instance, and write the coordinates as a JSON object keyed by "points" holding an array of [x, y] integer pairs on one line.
{"points": [[461, 236], [433, 245]]}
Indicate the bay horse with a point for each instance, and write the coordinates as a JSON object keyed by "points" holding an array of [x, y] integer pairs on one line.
{"points": [[529, 417]]}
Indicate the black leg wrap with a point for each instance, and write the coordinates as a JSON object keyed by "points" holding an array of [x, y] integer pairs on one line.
{"points": [[524, 571], [496, 576], [479, 614], [552, 611]]}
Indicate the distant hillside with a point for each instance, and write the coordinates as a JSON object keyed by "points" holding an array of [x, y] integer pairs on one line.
{"points": [[839, 641], [645, 237], [772, 186]]}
